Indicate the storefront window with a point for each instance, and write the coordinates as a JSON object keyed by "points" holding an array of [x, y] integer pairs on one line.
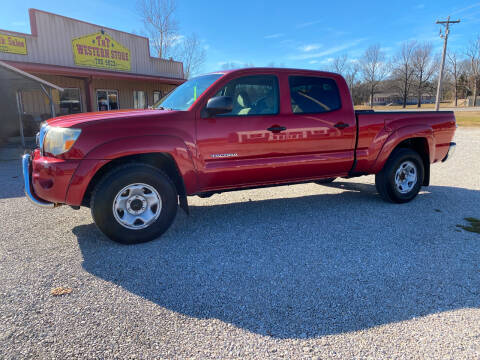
{"points": [[139, 100], [70, 101], [157, 95], [107, 100]]}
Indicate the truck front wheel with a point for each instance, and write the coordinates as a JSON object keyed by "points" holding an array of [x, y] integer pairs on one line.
{"points": [[402, 176], [134, 203]]}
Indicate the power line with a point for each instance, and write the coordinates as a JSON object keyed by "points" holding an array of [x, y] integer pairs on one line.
{"points": [[444, 36]]}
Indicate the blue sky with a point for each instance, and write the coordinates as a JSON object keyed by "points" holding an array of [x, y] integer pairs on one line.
{"points": [[304, 34]]}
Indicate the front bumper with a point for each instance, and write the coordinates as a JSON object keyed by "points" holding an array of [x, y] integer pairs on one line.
{"points": [[451, 151], [47, 179], [27, 179]]}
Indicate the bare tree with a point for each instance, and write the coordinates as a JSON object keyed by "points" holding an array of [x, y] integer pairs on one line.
{"points": [[424, 68], [158, 17], [340, 64], [455, 69], [473, 54], [403, 70], [374, 69], [348, 69], [159, 20], [351, 75], [192, 54]]}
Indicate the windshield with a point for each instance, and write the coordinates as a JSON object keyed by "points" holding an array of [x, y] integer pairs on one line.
{"points": [[186, 94]]}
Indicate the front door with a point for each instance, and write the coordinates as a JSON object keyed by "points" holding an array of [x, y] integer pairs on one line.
{"points": [[107, 100]]}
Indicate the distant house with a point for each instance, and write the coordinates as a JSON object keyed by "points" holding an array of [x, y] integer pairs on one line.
{"points": [[390, 98]]}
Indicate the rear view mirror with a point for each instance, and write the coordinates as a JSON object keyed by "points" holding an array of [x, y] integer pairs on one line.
{"points": [[219, 105]]}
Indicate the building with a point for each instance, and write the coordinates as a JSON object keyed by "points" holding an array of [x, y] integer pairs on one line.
{"points": [[90, 68], [392, 98]]}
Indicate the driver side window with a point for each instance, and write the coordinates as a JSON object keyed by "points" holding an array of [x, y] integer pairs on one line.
{"points": [[252, 95]]}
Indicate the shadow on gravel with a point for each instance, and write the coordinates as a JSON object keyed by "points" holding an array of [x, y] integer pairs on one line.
{"points": [[304, 267], [11, 179]]}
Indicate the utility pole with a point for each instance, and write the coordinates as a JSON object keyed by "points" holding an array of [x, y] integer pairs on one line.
{"points": [[444, 36]]}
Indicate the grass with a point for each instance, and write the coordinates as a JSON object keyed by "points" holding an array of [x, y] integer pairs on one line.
{"points": [[473, 227], [468, 118]]}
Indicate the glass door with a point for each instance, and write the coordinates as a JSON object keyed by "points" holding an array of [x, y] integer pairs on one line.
{"points": [[107, 100]]}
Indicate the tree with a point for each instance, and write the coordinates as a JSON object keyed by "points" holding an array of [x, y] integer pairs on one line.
{"points": [[403, 70], [456, 68], [163, 31], [192, 55], [158, 17], [424, 69], [340, 64], [473, 55], [374, 69], [348, 69]]}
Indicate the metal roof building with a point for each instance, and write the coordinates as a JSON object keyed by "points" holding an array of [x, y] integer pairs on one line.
{"points": [[97, 68]]}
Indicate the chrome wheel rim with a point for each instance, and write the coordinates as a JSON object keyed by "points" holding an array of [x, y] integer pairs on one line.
{"points": [[406, 177], [137, 206]]}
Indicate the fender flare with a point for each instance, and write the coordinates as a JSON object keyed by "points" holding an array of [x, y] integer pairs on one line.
{"points": [[104, 153], [402, 134]]}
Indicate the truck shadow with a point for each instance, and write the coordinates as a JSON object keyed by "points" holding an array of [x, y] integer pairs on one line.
{"points": [[304, 267]]}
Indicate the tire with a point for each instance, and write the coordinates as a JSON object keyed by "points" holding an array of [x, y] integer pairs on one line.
{"points": [[325, 181], [147, 196], [402, 176]]}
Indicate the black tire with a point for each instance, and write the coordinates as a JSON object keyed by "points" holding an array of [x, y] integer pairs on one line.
{"points": [[112, 183], [385, 179], [325, 181]]}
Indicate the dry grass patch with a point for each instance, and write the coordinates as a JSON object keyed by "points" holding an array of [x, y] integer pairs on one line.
{"points": [[61, 290], [468, 118]]}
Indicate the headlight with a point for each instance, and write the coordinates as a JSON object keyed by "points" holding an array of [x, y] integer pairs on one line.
{"points": [[59, 140]]}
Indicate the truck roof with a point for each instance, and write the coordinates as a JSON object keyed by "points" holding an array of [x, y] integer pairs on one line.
{"points": [[275, 70]]}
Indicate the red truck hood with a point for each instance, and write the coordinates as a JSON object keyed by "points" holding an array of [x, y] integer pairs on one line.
{"points": [[73, 120]]}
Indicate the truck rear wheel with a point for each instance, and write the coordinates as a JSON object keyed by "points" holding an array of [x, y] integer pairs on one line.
{"points": [[134, 203], [402, 176]]}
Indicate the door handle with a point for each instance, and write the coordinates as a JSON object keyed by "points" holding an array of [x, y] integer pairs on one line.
{"points": [[276, 128], [341, 125]]}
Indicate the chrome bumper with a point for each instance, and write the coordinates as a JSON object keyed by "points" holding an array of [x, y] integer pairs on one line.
{"points": [[451, 151], [27, 179]]}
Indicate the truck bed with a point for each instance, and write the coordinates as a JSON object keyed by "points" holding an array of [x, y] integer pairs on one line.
{"points": [[376, 130]]}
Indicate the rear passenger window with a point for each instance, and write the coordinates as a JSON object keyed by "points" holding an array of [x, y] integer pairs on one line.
{"points": [[310, 95]]}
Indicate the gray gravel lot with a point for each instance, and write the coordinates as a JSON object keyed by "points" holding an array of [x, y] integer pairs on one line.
{"points": [[298, 271]]}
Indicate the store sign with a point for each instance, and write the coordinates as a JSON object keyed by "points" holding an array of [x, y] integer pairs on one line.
{"points": [[100, 51], [13, 44]]}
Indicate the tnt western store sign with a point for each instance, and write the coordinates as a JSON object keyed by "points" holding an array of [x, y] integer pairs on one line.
{"points": [[99, 68], [101, 51]]}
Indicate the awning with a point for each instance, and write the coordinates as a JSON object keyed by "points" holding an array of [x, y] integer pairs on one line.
{"points": [[12, 82]]}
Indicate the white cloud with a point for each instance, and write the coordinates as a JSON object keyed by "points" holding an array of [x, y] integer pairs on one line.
{"points": [[313, 62], [420, 6], [19, 23], [238, 62], [329, 51], [273, 36], [307, 24], [177, 39], [458, 11], [310, 47]]}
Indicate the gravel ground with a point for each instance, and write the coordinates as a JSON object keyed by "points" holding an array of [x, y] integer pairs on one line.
{"points": [[304, 271]]}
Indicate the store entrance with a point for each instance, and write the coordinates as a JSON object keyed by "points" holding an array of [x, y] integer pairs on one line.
{"points": [[107, 100]]}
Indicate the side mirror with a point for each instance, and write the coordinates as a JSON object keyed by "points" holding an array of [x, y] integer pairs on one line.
{"points": [[219, 105]]}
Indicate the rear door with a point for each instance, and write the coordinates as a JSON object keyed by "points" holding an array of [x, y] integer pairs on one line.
{"points": [[321, 127]]}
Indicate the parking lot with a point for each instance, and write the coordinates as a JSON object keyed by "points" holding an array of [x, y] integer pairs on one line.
{"points": [[299, 271]]}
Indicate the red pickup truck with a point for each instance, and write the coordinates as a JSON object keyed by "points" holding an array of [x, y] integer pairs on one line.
{"points": [[224, 131]]}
